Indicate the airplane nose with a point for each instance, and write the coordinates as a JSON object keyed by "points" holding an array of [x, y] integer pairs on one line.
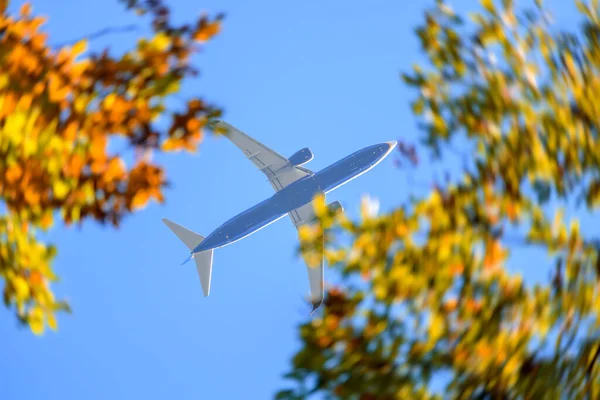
{"points": [[392, 144]]}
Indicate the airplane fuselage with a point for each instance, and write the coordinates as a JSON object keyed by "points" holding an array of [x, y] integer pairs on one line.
{"points": [[294, 196]]}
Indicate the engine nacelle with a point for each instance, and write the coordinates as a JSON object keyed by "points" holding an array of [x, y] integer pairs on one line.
{"points": [[301, 157], [335, 207]]}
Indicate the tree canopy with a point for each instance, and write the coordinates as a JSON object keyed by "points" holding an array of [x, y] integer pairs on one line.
{"points": [[58, 112], [425, 290]]}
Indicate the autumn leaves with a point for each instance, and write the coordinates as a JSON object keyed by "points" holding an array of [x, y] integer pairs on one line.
{"points": [[429, 283], [59, 110]]}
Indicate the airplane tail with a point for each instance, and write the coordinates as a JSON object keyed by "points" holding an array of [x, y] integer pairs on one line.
{"points": [[203, 259]]}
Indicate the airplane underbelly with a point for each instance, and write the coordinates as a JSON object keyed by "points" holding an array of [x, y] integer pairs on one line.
{"points": [[247, 223], [348, 169]]}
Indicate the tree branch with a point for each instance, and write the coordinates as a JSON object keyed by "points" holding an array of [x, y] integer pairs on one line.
{"points": [[100, 33]]}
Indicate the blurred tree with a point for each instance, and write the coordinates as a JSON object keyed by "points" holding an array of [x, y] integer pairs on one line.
{"points": [[425, 292], [58, 112]]}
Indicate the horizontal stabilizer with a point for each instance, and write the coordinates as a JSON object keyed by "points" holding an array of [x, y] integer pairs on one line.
{"points": [[203, 259], [204, 265], [189, 238]]}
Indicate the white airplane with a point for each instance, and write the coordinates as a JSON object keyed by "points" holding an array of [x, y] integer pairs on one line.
{"points": [[295, 188]]}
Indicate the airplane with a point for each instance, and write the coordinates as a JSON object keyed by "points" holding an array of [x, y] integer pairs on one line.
{"points": [[295, 187]]}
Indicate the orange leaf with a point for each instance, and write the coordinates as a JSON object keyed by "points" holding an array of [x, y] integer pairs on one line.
{"points": [[140, 199], [365, 275], [189, 146], [71, 131], [461, 355], [98, 147], [493, 255], [484, 350], [9, 104], [450, 305], [75, 165], [56, 90], [473, 305], [36, 278], [401, 230], [13, 173], [38, 41], [195, 105], [25, 101], [98, 167], [38, 88], [172, 144], [25, 10], [46, 221], [193, 124], [115, 170], [457, 268], [32, 196]]}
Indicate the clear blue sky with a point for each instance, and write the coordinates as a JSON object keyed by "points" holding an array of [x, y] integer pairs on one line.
{"points": [[323, 75]]}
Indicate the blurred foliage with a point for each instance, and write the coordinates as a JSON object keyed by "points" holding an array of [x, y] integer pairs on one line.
{"points": [[425, 293], [58, 113]]}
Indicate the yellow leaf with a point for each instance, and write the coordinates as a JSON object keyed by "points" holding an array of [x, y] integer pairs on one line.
{"points": [[79, 47], [14, 126], [160, 42], [305, 233], [36, 321], [21, 288], [312, 258], [319, 205], [380, 292], [76, 213], [60, 189], [52, 321], [80, 103], [109, 100], [436, 328], [488, 5], [511, 366], [4, 80], [30, 146]]}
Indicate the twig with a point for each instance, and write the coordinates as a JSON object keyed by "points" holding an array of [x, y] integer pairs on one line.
{"points": [[100, 33]]}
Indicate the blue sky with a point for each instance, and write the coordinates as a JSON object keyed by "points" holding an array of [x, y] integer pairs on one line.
{"points": [[323, 75]]}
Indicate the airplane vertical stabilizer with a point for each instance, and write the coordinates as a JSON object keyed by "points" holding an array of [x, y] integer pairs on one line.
{"points": [[203, 259]]}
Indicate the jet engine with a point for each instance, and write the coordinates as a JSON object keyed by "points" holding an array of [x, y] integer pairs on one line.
{"points": [[301, 157], [335, 207]]}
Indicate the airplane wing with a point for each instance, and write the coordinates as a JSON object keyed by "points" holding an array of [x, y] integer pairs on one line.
{"points": [[277, 168], [316, 278], [300, 216]]}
